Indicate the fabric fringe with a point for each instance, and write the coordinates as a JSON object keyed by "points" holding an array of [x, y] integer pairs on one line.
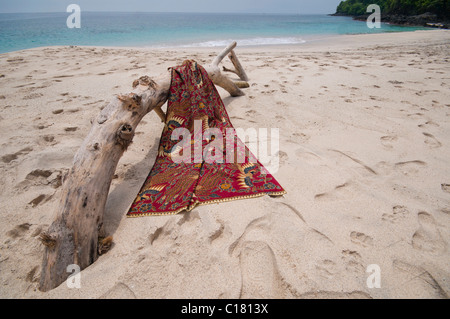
{"points": [[215, 201]]}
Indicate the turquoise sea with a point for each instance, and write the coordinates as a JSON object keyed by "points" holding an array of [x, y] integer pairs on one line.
{"points": [[27, 30]]}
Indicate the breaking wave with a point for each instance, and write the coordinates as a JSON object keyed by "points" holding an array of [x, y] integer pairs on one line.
{"points": [[245, 42]]}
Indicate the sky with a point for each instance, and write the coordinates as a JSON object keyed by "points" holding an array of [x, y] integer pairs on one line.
{"points": [[221, 6]]}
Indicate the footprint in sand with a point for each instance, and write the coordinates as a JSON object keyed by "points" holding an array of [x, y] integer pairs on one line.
{"points": [[119, 291], [445, 188], [375, 98], [410, 167], [39, 173], [33, 275], [260, 275], [361, 239], [48, 138], [353, 261], [431, 141], [398, 212], [40, 200], [301, 137], [220, 234], [417, 281], [11, 157], [18, 231], [340, 192], [428, 123], [395, 82], [388, 141], [39, 72], [283, 157], [16, 60], [43, 126], [74, 110], [428, 238], [168, 231], [251, 113], [327, 268], [32, 96], [40, 177], [415, 116]]}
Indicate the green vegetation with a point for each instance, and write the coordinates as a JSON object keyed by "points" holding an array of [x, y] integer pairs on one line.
{"points": [[404, 7]]}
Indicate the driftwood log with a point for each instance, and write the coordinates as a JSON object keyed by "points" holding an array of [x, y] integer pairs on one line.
{"points": [[74, 237]]}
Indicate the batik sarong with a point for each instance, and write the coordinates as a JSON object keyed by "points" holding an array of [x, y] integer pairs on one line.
{"points": [[200, 158]]}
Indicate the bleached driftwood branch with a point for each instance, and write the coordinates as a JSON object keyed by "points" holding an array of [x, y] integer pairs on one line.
{"points": [[239, 70], [74, 236], [219, 78]]}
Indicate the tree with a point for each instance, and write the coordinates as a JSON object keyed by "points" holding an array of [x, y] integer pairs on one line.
{"points": [[404, 7]]}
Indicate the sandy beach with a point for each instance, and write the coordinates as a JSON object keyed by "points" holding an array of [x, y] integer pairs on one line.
{"points": [[364, 125]]}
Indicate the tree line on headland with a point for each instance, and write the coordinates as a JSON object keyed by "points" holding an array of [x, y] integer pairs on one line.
{"points": [[418, 12]]}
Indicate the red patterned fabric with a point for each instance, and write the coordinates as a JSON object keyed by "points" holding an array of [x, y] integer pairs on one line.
{"points": [[214, 167]]}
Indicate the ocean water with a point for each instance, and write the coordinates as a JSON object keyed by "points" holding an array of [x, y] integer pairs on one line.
{"points": [[28, 30]]}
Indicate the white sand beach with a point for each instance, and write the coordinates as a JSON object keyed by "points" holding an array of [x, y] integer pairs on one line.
{"points": [[364, 123]]}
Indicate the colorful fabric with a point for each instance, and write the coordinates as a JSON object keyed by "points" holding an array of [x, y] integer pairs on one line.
{"points": [[203, 161]]}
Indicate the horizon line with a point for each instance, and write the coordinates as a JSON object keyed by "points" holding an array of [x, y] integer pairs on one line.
{"points": [[193, 12]]}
